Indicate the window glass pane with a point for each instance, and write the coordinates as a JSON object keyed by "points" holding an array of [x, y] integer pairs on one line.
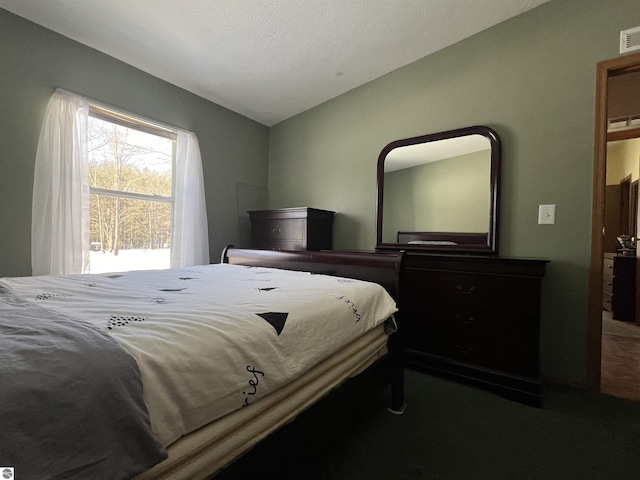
{"points": [[129, 160], [129, 234]]}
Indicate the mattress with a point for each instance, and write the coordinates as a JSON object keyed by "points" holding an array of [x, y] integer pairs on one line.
{"points": [[208, 341]]}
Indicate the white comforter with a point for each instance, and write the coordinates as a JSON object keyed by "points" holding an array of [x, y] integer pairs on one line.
{"points": [[214, 338]]}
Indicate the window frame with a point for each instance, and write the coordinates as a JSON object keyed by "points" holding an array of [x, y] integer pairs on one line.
{"points": [[131, 121]]}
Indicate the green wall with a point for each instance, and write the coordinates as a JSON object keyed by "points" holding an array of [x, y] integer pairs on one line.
{"points": [[36, 60], [532, 79]]}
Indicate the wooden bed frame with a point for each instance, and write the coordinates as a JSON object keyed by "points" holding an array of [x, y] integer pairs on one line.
{"points": [[381, 268]]}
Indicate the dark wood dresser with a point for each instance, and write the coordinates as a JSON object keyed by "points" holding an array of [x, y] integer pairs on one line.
{"points": [[619, 286], [474, 318], [300, 228]]}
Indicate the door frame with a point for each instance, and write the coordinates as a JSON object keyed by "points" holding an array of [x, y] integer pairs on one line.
{"points": [[604, 70]]}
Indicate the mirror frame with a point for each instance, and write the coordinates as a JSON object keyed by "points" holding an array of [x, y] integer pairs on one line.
{"points": [[490, 246]]}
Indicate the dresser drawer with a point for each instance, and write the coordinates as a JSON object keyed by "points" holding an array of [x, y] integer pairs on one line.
{"points": [[279, 229], [607, 302], [491, 338], [607, 265], [440, 330], [471, 289]]}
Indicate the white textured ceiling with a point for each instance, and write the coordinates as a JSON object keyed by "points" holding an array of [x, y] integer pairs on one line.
{"points": [[268, 59], [420, 153]]}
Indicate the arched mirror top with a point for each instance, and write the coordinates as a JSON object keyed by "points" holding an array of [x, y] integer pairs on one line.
{"points": [[439, 192]]}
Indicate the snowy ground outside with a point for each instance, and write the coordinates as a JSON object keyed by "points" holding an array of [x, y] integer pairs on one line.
{"points": [[128, 260]]}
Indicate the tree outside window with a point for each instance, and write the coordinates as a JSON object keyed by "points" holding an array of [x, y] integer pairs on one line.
{"points": [[131, 165]]}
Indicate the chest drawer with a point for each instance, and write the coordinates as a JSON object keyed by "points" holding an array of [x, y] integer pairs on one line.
{"points": [[279, 230]]}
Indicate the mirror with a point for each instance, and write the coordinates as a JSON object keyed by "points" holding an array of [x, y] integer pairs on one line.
{"points": [[439, 192]]}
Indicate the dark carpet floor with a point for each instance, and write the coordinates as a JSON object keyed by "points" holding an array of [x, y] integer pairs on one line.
{"points": [[452, 432]]}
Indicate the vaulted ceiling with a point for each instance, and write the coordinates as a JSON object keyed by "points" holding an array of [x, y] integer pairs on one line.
{"points": [[268, 59]]}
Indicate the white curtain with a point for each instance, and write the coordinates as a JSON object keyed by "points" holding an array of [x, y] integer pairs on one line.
{"points": [[190, 237], [60, 210]]}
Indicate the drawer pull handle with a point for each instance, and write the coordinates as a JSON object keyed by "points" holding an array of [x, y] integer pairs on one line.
{"points": [[466, 291], [276, 230], [464, 319]]}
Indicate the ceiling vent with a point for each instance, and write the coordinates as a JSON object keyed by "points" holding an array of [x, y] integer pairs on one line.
{"points": [[630, 40]]}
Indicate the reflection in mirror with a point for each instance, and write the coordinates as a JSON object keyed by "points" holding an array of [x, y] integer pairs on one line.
{"points": [[440, 191]]}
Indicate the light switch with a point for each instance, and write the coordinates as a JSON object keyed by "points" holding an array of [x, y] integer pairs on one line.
{"points": [[546, 214]]}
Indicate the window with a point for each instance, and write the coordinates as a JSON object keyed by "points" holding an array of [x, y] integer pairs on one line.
{"points": [[131, 171], [146, 193]]}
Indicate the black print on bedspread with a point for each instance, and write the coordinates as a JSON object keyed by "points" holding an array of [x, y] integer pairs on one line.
{"points": [[253, 382], [276, 319], [71, 402], [351, 306], [47, 296], [122, 320]]}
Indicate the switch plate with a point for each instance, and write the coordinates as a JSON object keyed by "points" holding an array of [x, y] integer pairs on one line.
{"points": [[546, 214]]}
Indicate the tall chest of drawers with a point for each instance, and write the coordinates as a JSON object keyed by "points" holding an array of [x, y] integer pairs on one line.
{"points": [[302, 228], [475, 319]]}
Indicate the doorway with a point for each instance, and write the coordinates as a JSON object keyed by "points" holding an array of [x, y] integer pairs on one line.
{"points": [[610, 129], [620, 351]]}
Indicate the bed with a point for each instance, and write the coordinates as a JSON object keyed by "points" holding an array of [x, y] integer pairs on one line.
{"points": [[442, 239], [175, 373]]}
